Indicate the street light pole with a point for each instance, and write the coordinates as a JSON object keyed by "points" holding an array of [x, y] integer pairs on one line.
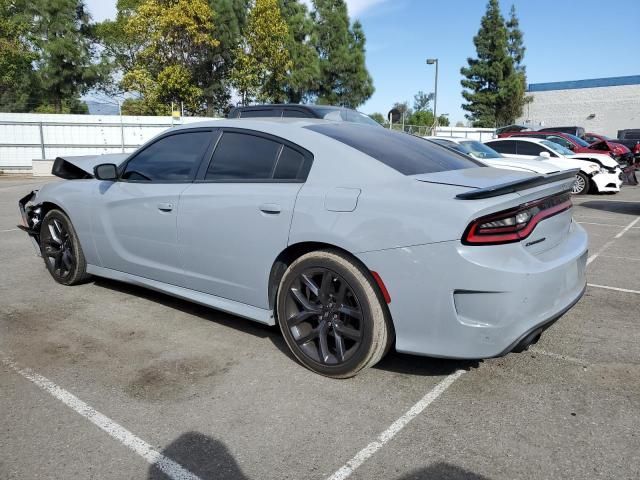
{"points": [[431, 61]]}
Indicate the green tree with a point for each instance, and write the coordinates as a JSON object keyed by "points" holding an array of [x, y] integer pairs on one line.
{"points": [[176, 36], [119, 49], [303, 78], [491, 83], [61, 35], [422, 100], [378, 117], [262, 60], [344, 78], [212, 75], [16, 57], [516, 48]]}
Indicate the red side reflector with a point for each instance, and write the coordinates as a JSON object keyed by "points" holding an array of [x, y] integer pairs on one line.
{"points": [[383, 288]]}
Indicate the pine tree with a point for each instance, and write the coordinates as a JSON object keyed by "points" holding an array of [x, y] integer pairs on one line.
{"points": [[61, 35], [263, 61], [16, 57], [230, 18], [303, 78], [344, 79], [492, 86], [516, 48]]}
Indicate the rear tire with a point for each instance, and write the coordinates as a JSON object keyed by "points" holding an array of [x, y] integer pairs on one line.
{"points": [[581, 185], [61, 249], [331, 314]]}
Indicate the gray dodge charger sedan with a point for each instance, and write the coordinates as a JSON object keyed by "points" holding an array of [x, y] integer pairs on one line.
{"points": [[351, 238]]}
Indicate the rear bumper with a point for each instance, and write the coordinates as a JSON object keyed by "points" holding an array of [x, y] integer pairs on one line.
{"points": [[454, 301]]}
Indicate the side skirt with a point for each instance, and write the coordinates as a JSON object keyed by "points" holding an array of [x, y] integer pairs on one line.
{"points": [[242, 310]]}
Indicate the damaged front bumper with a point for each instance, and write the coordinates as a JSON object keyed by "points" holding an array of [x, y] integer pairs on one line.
{"points": [[31, 217]]}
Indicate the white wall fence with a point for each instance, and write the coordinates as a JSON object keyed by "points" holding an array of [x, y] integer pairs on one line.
{"points": [[25, 137]]}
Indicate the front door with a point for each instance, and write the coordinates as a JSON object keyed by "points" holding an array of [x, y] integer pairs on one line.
{"points": [[135, 223]]}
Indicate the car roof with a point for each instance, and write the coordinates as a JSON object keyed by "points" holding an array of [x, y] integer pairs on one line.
{"points": [[524, 139]]}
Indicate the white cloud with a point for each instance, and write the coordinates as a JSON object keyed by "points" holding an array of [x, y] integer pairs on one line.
{"points": [[355, 7]]}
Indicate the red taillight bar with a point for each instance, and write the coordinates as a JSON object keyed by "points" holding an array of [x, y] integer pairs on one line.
{"points": [[515, 233]]}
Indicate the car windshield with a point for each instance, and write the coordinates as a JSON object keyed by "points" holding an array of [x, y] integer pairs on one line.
{"points": [[478, 150], [578, 140], [556, 147]]}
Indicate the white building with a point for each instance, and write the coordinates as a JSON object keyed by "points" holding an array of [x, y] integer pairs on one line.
{"points": [[600, 105]]}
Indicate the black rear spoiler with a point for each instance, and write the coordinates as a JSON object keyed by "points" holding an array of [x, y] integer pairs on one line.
{"points": [[518, 185]]}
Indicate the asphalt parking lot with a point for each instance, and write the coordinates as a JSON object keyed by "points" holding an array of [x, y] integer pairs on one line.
{"points": [[107, 380]]}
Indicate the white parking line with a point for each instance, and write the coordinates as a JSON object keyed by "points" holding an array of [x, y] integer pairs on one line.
{"points": [[626, 290], [600, 224], [166, 465], [10, 230], [610, 242], [363, 455]]}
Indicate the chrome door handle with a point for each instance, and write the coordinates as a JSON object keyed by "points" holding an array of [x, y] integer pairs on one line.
{"points": [[271, 208], [165, 207]]}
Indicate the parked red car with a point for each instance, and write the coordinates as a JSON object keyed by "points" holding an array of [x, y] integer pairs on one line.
{"points": [[573, 143], [606, 144]]}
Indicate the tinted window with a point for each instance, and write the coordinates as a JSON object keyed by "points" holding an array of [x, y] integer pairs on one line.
{"points": [[529, 148], [507, 146], [290, 166], [266, 112], [635, 135], [405, 153], [560, 141], [240, 156], [171, 159], [290, 113]]}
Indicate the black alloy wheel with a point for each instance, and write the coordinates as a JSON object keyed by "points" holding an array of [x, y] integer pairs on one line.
{"points": [[324, 316]]}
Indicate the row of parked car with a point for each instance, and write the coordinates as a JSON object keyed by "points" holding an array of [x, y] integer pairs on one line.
{"points": [[600, 160]]}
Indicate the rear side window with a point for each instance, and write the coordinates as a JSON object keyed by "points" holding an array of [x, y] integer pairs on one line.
{"points": [[507, 146], [291, 113], [247, 157], [635, 135], [408, 154], [174, 158], [265, 112]]}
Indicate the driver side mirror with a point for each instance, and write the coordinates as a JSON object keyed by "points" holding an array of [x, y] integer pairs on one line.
{"points": [[106, 171], [545, 154]]}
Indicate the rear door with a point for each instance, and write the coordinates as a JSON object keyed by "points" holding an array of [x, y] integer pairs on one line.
{"points": [[235, 219], [135, 220]]}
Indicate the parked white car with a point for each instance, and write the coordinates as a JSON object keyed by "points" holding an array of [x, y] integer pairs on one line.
{"points": [[490, 157], [600, 172]]}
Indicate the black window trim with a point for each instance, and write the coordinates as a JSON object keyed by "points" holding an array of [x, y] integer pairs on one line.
{"points": [[304, 172], [182, 131]]}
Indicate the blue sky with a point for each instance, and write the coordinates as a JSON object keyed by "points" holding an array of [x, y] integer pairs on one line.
{"points": [[565, 40]]}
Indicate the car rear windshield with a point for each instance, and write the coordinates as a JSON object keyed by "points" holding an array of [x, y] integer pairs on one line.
{"points": [[405, 153]]}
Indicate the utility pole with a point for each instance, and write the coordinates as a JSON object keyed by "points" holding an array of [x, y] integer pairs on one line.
{"points": [[431, 61]]}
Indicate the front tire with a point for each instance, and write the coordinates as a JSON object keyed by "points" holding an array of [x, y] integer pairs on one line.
{"points": [[331, 314], [581, 185], [61, 249]]}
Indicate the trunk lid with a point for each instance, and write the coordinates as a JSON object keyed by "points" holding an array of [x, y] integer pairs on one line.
{"points": [[486, 191]]}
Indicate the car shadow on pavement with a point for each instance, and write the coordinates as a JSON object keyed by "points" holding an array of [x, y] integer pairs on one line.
{"points": [[613, 206], [210, 459], [393, 362]]}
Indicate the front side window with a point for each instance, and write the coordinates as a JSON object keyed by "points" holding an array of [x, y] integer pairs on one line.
{"points": [[560, 141], [408, 154], [478, 150], [172, 159], [557, 148], [247, 157]]}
